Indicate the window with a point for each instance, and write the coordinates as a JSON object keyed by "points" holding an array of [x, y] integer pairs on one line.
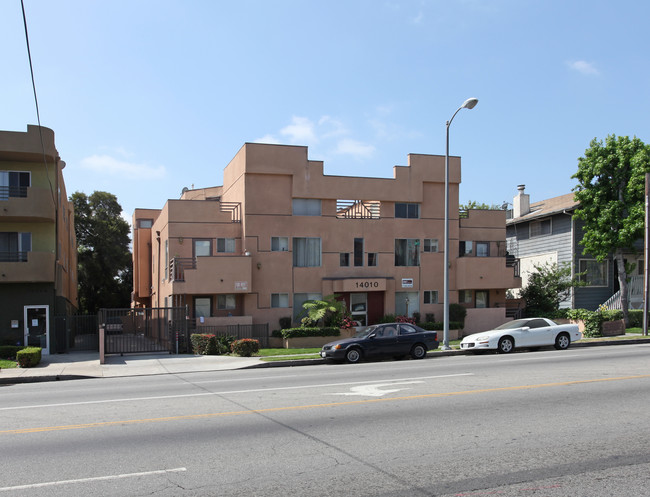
{"points": [[464, 296], [406, 303], [431, 296], [226, 301], [226, 245], [14, 184], [372, 258], [14, 246], [482, 299], [145, 223], [482, 249], [406, 252], [279, 243], [430, 245], [202, 248], [202, 307], [595, 273], [279, 300], [344, 259], [408, 211], [358, 251], [306, 252], [540, 228], [306, 207], [301, 298], [465, 248]]}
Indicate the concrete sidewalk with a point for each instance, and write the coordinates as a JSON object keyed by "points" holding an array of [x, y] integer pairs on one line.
{"points": [[86, 365]]}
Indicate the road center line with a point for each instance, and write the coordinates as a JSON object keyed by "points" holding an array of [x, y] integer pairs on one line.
{"points": [[313, 406], [96, 478], [204, 394]]}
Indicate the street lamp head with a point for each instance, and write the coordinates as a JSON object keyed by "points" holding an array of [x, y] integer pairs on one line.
{"points": [[470, 103]]}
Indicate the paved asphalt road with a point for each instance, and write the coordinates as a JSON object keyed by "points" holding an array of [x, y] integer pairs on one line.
{"points": [[548, 423]]}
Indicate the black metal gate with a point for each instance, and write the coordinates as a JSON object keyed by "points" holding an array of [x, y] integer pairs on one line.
{"points": [[76, 332], [160, 329]]}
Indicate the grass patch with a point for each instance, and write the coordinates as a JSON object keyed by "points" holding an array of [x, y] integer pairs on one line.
{"points": [[291, 352], [7, 364]]}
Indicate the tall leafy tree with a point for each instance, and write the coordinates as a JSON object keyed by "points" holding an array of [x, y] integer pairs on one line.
{"points": [[547, 287], [610, 190], [104, 260]]}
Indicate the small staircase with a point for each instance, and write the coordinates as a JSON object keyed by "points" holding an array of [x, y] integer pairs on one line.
{"points": [[634, 296]]}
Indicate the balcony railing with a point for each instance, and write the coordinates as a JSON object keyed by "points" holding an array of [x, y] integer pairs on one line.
{"points": [[358, 209], [178, 265], [13, 256], [12, 191], [234, 208]]}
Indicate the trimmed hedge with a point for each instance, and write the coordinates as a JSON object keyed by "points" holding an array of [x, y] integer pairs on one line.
{"points": [[28, 357], [245, 347], [207, 344], [9, 351], [311, 332]]}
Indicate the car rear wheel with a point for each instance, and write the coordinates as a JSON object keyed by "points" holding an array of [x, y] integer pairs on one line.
{"points": [[562, 341], [418, 351], [506, 345], [353, 355]]}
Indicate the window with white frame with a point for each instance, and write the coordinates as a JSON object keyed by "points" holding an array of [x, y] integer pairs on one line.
{"points": [[465, 248], [202, 248], [306, 252], [464, 296], [306, 207], [14, 184], [594, 273], [226, 301], [15, 246], [430, 245], [226, 245], [482, 249], [482, 299], [406, 303], [540, 228], [431, 296], [279, 300], [202, 307], [279, 243]]}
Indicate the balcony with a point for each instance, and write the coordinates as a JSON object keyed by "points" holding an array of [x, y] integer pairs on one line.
{"points": [[37, 268], [484, 273], [211, 274], [26, 204]]}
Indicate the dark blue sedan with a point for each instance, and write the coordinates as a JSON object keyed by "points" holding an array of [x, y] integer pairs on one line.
{"points": [[383, 340]]}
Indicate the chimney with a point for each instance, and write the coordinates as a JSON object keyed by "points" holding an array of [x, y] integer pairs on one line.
{"points": [[520, 203]]}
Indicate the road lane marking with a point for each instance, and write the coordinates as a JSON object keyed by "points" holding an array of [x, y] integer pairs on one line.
{"points": [[205, 394], [87, 480], [313, 406], [375, 390]]}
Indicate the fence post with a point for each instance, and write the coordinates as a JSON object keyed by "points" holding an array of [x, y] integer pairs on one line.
{"points": [[102, 346]]}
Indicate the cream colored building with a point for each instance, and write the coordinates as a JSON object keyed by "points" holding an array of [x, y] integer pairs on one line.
{"points": [[280, 231], [38, 247]]}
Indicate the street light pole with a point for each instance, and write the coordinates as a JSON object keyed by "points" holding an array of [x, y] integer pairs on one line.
{"points": [[470, 103]]}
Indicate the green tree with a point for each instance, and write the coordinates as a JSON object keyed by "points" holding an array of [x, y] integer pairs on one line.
{"points": [[547, 287], [328, 310], [104, 261], [610, 192], [473, 204]]}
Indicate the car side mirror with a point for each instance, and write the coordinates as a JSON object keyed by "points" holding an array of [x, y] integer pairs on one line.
{"points": [[525, 328], [372, 335]]}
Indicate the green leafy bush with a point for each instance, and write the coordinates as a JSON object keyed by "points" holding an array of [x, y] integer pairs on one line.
{"points": [[285, 323], [9, 351], [592, 320], [28, 357], [635, 318], [205, 344], [245, 347], [429, 317], [310, 332]]}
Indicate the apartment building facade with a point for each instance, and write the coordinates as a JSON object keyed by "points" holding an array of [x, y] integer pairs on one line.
{"points": [[279, 232], [38, 249]]}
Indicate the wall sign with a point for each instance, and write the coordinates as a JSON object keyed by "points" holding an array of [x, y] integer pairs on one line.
{"points": [[407, 282]]}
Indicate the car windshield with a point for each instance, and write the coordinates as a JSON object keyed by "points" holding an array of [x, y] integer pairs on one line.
{"points": [[517, 323], [365, 332]]}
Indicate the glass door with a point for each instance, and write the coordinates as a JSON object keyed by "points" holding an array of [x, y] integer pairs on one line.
{"points": [[359, 308], [37, 327]]}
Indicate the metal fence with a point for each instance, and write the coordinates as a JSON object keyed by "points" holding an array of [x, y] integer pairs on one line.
{"points": [[76, 332], [259, 332], [160, 329]]}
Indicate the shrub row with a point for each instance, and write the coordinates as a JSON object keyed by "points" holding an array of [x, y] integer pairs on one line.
{"points": [[9, 351], [310, 332], [207, 344], [28, 357], [245, 347]]}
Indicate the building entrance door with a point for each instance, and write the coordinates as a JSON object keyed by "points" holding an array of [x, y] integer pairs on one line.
{"points": [[37, 327], [359, 308]]}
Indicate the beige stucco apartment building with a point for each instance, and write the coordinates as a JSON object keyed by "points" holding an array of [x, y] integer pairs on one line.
{"points": [[38, 247], [279, 232]]}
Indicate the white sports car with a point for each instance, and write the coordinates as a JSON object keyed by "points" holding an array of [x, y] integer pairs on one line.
{"points": [[530, 332]]}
